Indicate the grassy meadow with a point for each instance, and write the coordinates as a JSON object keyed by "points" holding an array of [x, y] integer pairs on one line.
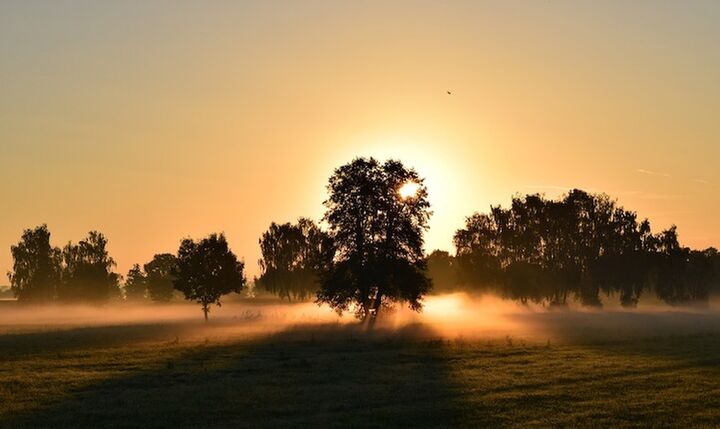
{"points": [[566, 369]]}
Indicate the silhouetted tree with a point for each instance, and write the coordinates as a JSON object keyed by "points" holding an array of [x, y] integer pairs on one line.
{"points": [[135, 284], [627, 274], [623, 266], [294, 256], [87, 271], [378, 235], [207, 270], [478, 251], [527, 282], [36, 266], [682, 275], [160, 275], [545, 250], [442, 271]]}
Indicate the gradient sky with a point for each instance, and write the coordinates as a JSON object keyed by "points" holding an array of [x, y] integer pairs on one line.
{"points": [[153, 121]]}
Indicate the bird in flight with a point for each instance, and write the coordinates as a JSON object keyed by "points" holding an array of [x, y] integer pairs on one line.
{"points": [[449, 93]]}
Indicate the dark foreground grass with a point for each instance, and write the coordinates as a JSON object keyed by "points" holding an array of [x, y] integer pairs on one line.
{"points": [[341, 376]]}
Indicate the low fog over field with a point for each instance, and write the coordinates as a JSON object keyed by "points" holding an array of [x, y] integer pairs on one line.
{"points": [[449, 316]]}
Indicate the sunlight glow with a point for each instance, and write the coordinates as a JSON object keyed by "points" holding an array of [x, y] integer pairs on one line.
{"points": [[408, 190], [447, 306]]}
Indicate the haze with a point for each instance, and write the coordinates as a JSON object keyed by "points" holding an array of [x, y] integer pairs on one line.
{"points": [[152, 122]]}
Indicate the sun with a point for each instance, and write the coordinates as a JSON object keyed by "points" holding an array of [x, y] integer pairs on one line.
{"points": [[408, 190]]}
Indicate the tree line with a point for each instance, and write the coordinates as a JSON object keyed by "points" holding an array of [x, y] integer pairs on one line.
{"points": [[203, 271], [371, 254], [547, 251], [76, 272], [539, 250]]}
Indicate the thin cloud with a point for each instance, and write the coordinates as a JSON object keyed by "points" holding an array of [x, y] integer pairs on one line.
{"points": [[651, 173], [652, 196], [660, 174], [702, 181]]}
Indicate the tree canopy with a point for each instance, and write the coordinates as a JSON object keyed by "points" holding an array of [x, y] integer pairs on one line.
{"points": [[87, 271], [442, 270], [36, 266], [294, 257], [135, 284], [159, 277]]}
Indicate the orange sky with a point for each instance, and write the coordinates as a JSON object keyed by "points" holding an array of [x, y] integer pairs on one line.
{"points": [[155, 122]]}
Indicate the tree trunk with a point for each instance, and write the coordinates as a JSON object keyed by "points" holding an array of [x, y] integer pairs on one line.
{"points": [[365, 308], [206, 310], [378, 303], [365, 292], [375, 313]]}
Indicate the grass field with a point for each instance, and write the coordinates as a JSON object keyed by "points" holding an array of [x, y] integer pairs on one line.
{"points": [[574, 370]]}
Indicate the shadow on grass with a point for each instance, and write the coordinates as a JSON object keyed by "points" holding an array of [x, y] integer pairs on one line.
{"points": [[324, 376], [604, 370], [19, 345], [690, 338]]}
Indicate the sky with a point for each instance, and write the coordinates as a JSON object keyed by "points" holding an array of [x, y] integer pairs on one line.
{"points": [[155, 121]]}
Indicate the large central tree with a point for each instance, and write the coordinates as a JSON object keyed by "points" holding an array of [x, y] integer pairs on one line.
{"points": [[377, 215]]}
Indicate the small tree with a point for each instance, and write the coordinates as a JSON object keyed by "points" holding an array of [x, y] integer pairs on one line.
{"points": [[207, 270], [135, 284], [36, 266], [160, 277]]}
